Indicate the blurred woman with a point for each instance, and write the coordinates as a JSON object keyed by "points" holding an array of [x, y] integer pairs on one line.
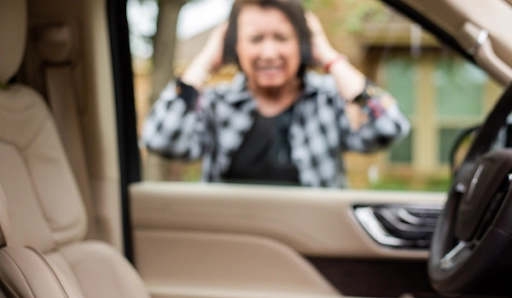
{"points": [[276, 122]]}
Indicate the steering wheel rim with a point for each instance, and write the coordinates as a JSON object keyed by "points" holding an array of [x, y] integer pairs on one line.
{"points": [[458, 257], [455, 266]]}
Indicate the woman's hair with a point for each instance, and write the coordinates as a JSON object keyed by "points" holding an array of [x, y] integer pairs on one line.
{"points": [[292, 9]]}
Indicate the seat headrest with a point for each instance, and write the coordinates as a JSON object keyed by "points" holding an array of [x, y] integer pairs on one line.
{"points": [[4, 219], [13, 31]]}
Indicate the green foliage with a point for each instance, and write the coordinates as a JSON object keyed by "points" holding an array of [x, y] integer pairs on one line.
{"points": [[364, 11], [436, 184], [192, 172], [307, 4], [356, 12], [391, 184]]}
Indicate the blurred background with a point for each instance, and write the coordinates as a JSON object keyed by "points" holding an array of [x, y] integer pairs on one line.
{"points": [[439, 92]]}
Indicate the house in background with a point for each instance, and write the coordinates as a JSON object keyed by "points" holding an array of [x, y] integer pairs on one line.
{"points": [[439, 92]]}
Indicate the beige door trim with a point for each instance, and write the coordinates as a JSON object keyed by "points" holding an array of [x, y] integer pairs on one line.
{"points": [[314, 222]]}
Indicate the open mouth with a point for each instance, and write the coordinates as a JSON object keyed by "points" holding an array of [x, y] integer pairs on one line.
{"points": [[269, 70]]}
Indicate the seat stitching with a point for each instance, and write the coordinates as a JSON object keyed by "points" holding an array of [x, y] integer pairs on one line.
{"points": [[21, 272], [8, 289], [37, 193], [73, 268], [15, 91], [3, 239], [48, 120], [35, 189], [54, 275], [44, 122], [35, 133]]}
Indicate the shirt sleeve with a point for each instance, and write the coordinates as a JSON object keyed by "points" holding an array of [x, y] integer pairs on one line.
{"points": [[386, 124], [175, 126]]}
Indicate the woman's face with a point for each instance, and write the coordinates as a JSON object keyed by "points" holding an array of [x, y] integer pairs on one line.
{"points": [[268, 47]]}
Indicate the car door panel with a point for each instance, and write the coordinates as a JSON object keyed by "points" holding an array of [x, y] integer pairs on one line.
{"points": [[211, 238], [188, 263]]}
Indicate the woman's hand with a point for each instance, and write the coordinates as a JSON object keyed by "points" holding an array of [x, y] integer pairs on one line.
{"points": [[213, 49], [349, 80], [208, 60], [323, 52]]}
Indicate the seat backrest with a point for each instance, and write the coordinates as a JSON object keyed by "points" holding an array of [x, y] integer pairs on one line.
{"points": [[36, 177], [25, 272], [46, 209], [47, 218]]}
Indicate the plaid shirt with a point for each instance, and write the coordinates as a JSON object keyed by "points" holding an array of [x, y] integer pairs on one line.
{"points": [[214, 127]]}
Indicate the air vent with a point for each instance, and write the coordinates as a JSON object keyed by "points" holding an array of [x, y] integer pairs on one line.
{"points": [[399, 226]]}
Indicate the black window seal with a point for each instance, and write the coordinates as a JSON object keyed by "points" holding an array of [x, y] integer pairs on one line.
{"points": [[126, 120]]}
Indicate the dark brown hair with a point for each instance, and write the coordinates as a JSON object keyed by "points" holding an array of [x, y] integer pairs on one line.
{"points": [[292, 9]]}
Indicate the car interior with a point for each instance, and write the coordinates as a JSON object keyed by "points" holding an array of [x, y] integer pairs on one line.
{"points": [[77, 219]]}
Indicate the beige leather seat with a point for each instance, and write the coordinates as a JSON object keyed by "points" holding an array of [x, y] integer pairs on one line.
{"points": [[25, 272], [43, 253]]}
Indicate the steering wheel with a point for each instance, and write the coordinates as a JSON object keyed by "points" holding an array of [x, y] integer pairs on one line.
{"points": [[474, 230]]}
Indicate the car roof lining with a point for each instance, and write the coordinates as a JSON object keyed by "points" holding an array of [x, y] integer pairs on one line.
{"points": [[427, 24], [451, 15]]}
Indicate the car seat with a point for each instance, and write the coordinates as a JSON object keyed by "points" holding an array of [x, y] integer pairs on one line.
{"points": [[44, 252]]}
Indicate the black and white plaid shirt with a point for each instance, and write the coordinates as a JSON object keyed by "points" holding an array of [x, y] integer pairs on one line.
{"points": [[214, 127]]}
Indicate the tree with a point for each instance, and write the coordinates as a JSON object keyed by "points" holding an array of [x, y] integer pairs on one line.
{"points": [[164, 41]]}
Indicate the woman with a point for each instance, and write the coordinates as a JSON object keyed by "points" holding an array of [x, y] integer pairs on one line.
{"points": [[275, 122]]}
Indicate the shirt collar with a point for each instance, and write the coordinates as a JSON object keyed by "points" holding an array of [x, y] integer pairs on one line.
{"points": [[312, 83], [238, 91]]}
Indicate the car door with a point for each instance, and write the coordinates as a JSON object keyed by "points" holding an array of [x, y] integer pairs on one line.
{"points": [[237, 241], [193, 239]]}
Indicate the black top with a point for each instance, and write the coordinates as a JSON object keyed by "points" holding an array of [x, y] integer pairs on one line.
{"points": [[264, 157]]}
